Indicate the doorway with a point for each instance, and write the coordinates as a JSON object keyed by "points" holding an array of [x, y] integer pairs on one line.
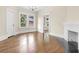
{"points": [[46, 28], [10, 22]]}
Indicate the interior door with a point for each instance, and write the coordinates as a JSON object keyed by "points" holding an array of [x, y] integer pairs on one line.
{"points": [[46, 28], [10, 22]]}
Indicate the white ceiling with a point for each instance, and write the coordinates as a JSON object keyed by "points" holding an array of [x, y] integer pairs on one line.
{"points": [[32, 8], [35, 8]]}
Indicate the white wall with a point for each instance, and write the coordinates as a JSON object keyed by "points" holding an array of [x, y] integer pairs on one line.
{"points": [[2, 20], [3, 31], [41, 14], [72, 14], [58, 16], [17, 11], [27, 29], [3, 23], [40, 23], [57, 19]]}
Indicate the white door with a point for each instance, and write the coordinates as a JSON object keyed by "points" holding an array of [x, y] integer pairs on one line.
{"points": [[10, 22]]}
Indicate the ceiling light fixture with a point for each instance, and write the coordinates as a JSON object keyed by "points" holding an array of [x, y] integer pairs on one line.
{"points": [[34, 8]]}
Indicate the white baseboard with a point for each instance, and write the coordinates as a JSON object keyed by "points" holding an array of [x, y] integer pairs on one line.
{"points": [[25, 31], [3, 37], [56, 35]]}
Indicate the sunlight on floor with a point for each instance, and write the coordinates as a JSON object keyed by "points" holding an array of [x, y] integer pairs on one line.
{"points": [[23, 44], [31, 43], [27, 43]]}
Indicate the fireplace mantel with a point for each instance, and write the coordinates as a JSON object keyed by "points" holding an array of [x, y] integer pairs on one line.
{"points": [[71, 27]]}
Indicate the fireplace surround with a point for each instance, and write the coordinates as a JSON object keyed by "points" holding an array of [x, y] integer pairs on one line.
{"points": [[71, 34]]}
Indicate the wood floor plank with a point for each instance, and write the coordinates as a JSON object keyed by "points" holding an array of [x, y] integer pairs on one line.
{"points": [[30, 42]]}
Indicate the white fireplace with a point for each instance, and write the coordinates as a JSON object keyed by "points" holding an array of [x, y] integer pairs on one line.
{"points": [[71, 29]]}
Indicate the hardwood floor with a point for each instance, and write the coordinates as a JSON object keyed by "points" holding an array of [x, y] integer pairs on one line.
{"points": [[30, 42]]}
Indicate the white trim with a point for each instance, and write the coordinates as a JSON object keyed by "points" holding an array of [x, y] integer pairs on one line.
{"points": [[3, 37], [25, 31], [56, 35]]}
